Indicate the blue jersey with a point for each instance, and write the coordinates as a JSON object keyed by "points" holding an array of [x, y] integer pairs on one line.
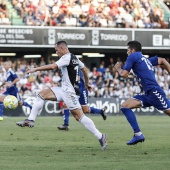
{"points": [[83, 91], [143, 69], [10, 77], [81, 81]]}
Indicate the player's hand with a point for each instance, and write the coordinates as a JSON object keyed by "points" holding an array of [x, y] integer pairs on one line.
{"points": [[31, 70], [117, 66], [89, 88]]}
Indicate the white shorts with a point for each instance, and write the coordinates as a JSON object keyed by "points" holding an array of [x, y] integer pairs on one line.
{"points": [[70, 99]]}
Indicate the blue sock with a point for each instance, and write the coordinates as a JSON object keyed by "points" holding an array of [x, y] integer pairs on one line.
{"points": [[95, 111], [130, 116], [1, 109], [26, 104], [66, 116]]}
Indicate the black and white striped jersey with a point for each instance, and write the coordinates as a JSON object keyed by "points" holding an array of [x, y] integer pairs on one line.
{"points": [[69, 65]]}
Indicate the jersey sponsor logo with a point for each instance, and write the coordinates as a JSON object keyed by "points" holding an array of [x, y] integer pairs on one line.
{"points": [[76, 86], [75, 61]]}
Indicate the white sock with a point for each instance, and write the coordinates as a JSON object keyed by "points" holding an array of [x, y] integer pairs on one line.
{"points": [[88, 123], [36, 108], [138, 133]]}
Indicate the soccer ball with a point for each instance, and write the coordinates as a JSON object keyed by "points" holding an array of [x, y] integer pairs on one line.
{"points": [[10, 102]]}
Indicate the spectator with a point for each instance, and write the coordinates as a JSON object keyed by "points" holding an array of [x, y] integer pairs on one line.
{"points": [[155, 19], [3, 8], [102, 68], [42, 61], [30, 18]]}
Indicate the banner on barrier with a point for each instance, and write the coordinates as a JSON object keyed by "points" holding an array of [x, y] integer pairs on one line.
{"points": [[51, 108], [77, 37]]}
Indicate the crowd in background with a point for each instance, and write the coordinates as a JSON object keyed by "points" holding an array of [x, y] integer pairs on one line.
{"points": [[105, 83], [89, 13]]}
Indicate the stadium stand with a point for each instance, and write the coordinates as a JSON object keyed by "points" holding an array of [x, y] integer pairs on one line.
{"points": [[104, 82], [88, 13]]}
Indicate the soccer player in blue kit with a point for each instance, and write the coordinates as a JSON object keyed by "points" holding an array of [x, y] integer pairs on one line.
{"points": [[11, 89], [83, 101], [153, 93]]}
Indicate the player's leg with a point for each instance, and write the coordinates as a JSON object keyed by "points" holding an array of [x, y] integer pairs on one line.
{"points": [[46, 94], [71, 100], [21, 102], [1, 107], [89, 125], [86, 109], [66, 115], [24, 103], [131, 118]]}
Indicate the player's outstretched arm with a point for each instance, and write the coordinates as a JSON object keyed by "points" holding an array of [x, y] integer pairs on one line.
{"points": [[122, 72], [163, 62], [42, 68], [9, 84]]}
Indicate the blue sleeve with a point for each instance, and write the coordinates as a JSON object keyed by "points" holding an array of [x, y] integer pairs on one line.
{"points": [[14, 75], [129, 62], [80, 74], [154, 60]]}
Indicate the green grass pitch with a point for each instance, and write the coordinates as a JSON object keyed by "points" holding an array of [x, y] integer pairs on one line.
{"points": [[44, 147]]}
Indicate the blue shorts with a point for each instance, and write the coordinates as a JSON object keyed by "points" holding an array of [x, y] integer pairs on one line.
{"points": [[14, 94], [156, 97], [83, 97]]}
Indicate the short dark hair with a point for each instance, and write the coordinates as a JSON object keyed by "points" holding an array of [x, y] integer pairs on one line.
{"points": [[61, 42], [135, 45]]}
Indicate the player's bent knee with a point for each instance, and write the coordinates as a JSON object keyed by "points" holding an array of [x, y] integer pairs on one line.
{"points": [[47, 94], [76, 117], [85, 110], [41, 95], [77, 113], [124, 105]]}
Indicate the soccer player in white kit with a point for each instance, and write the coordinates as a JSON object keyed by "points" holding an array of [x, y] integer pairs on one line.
{"points": [[68, 92]]}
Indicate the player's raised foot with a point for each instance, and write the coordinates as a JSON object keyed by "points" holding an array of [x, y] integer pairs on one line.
{"points": [[103, 141], [26, 122], [63, 127], [136, 139], [1, 118], [103, 114]]}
